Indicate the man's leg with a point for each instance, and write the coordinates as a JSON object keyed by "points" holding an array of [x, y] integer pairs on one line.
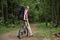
{"points": [[20, 30], [29, 28]]}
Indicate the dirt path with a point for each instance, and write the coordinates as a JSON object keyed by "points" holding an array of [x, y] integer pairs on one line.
{"points": [[13, 35]]}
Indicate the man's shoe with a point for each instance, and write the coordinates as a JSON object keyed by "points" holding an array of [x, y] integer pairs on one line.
{"points": [[31, 36], [19, 37]]}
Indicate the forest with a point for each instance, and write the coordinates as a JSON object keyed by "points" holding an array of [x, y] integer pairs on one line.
{"points": [[40, 11], [43, 12]]}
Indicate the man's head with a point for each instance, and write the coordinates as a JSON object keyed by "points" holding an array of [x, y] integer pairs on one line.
{"points": [[27, 7]]}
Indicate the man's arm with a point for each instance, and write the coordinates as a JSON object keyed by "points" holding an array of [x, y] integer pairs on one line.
{"points": [[25, 14]]}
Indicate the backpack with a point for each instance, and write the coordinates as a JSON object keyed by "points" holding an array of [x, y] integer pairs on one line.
{"points": [[21, 12]]}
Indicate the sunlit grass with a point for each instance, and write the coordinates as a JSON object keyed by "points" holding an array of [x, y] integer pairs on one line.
{"points": [[48, 31]]}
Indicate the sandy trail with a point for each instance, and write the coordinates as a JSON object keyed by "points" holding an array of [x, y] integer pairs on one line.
{"points": [[13, 35]]}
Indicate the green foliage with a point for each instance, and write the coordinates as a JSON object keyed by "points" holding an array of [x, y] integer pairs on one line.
{"points": [[40, 10]]}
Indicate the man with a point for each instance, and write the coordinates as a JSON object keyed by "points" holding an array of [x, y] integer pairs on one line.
{"points": [[24, 22], [27, 22]]}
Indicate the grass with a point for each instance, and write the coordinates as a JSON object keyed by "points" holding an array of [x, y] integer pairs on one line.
{"points": [[47, 32], [4, 29]]}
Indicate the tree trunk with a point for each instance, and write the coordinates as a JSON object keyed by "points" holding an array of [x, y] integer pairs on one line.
{"points": [[57, 13], [13, 13], [2, 11], [53, 20]]}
